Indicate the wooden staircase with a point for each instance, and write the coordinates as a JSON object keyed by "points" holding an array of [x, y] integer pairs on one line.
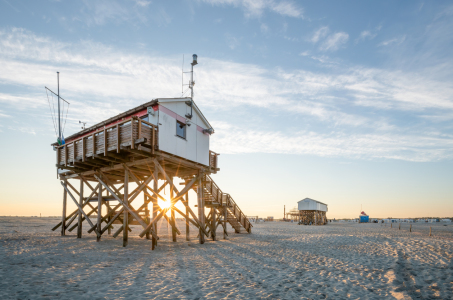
{"points": [[214, 197]]}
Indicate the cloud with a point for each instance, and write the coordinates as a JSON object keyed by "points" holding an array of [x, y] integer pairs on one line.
{"points": [[2, 115], [345, 103], [232, 41], [394, 41], [103, 12], [387, 146], [142, 3], [334, 41], [255, 8], [319, 34], [366, 35], [264, 28]]}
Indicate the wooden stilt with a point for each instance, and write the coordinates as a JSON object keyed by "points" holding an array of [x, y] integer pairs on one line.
{"points": [[187, 218], [126, 214], [109, 230], [225, 216], [213, 223], [99, 212], [154, 227], [147, 219], [172, 215], [79, 221], [63, 214], [200, 209]]}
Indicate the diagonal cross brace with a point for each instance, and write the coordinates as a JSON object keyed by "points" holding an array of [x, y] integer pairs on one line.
{"points": [[132, 212], [80, 208]]}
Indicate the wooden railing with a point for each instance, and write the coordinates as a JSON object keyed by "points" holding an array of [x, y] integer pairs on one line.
{"points": [[226, 200], [133, 132], [213, 159]]}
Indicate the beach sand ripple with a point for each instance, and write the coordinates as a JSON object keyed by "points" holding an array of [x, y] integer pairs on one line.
{"points": [[278, 261]]}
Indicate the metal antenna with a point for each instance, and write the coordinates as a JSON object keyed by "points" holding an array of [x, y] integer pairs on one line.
{"points": [[182, 76], [191, 84], [59, 121]]}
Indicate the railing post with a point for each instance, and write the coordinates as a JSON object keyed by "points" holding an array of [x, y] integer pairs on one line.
{"points": [[65, 154], [132, 133], [118, 138], [105, 142], [93, 138], [139, 131], [83, 149]]}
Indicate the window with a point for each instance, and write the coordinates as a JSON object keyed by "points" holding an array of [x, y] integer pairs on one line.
{"points": [[181, 129]]}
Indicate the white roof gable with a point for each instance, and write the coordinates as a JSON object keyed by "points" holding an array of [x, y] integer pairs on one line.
{"points": [[309, 199], [195, 107]]}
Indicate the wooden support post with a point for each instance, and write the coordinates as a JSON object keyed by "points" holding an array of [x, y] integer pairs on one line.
{"points": [[154, 227], [80, 208], [109, 231], [410, 228], [225, 218], [429, 230], [200, 208], [213, 223], [99, 213], [63, 214], [147, 218], [126, 213], [79, 221], [391, 225], [187, 218], [399, 228], [172, 214]]}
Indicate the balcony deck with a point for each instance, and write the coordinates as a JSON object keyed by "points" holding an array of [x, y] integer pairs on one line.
{"points": [[132, 143]]}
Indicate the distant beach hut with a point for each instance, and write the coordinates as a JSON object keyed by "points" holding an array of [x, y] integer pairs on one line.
{"points": [[446, 220], [312, 212]]}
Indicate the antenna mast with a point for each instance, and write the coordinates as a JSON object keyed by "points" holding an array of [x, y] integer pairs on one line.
{"points": [[191, 84], [59, 121]]}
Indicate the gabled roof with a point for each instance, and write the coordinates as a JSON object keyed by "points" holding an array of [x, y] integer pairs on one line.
{"points": [[312, 200], [132, 112], [195, 107]]}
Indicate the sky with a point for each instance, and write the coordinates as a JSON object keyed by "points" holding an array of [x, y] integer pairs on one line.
{"points": [[349, 103]]}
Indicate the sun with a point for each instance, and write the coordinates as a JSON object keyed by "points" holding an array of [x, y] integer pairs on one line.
{"points": [[163, 204]]}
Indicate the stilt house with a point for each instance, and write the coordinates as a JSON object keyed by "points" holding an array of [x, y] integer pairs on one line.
{"points": [[312, 212], [159, 140]]}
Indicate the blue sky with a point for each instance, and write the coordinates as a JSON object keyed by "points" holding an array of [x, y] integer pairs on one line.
{"points": [[346, 102]]}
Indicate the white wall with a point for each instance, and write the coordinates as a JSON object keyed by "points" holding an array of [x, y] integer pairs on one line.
{"points": [[196, 145], [311, 205]]}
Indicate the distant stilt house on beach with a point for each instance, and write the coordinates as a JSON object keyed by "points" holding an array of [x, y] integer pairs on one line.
{"points": [[312, 212]]}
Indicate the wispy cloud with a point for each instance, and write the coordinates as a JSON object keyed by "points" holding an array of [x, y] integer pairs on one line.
{"points": [[334, 41], [338, 144], [394, 41], [255, 8], [3, 115], [101, 81], [232, 41], [319, 34]]}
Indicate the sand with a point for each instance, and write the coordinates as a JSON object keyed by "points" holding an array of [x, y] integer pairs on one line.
{"points": [[277, 261]]}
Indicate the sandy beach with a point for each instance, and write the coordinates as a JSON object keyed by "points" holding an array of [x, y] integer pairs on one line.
{"points": [[277, 261]]}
